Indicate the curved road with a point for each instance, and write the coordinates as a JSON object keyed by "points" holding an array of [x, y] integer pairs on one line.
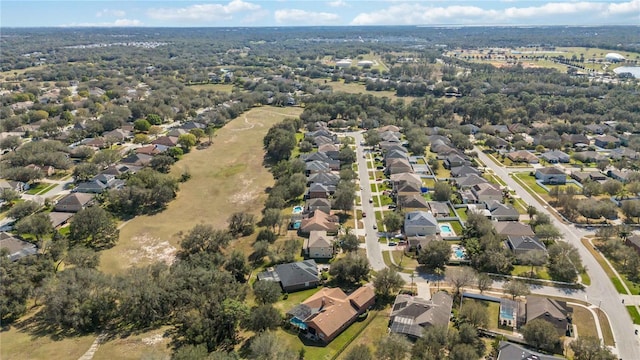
{"points": [[601, 292]]}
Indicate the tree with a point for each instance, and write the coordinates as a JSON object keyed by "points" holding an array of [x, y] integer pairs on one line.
{"points": [[279, 143], [534, 258], [564, 262], [141, 125], [393, 221], [271, 218], [106, 158], [392, 347], [548, 233], [38, 225], [344, 196], [267, 235], [387, 281], [93, 227], [516, 288], [146, 296], [349, 241], [590, 348], [10, 142], [612, 187], [631, 209], [267, 292], [187, 141], [475, 314], [241, 223], [541, 334], [154, 119], [9, 195], [442, 191], [435, 255], [463, 352], [203, 239], [372, 137], [237, 265], [352, 268], [263, 317], [484, 282], [162, 163], [267, 346], [23, 174], [461, 277], [23, 209], [198, 133], [432, 344], [359, 352], [81, 256], [85, 171]]}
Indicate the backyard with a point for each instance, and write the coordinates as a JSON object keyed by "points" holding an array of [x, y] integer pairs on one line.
{"points": [[236, 181]]}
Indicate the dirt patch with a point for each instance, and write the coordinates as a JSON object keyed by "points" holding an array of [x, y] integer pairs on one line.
{"points": [[152, 340], [151, 249]]}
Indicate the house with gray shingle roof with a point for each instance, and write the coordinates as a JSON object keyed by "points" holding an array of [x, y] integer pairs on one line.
{"points": [[420, 223], [295, 276], [410, 315], [16, 248], [519, 244]]}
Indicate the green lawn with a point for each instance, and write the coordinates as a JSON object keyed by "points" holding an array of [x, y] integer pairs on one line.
{"points": [[294, 299], [407, 264], [493, 311], [635, 315], [525, 271], [372, 333], [40, 187], [530, 182], [607, 334], [462, 213], [457, 227]]}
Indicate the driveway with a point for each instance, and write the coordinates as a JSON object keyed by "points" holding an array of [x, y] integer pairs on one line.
{"points": [[601, 292]]}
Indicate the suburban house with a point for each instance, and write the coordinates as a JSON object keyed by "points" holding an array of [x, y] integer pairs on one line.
{"points": [[455, 160], [506, 228], [410, 315], [486, 192], [522, 244], [595, 129], [137, 159], [99, 183], [319, 245], [502, 212], [16, 248], [607, 141], [169, 141], [318, 191], [420, 223], [396, 166], [45, 170], [152, 149], [468, 181], [464, 170], [522, 156], [408, 187], [18, 186], [553, 311], [633, 241], [407, 177], [620, 175], [575, 139], [510, 351], [439, 208], [316, 166], [319, 221], [74, 202], [327, 313], [318, 204], [551, 175], [412, 201], [555, 157], [292, 277], [325, 178], [58, 219]]}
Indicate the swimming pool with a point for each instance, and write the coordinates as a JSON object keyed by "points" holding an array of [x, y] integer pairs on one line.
{"points": [[297, 209], [458, 252], [446, 230]]}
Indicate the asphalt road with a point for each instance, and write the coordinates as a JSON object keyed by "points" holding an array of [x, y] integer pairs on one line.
{"points": [[601, 292]]}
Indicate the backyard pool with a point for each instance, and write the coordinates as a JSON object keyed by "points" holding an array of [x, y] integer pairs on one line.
{"points": [[297, 209], [458, 252], [446, 230], [298, 323]]}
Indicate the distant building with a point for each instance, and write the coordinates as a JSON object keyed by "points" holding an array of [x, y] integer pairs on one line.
{"points": [[614, 57]]}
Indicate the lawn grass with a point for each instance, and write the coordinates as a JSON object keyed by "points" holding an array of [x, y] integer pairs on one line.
{"points": [[147, 345], [405, 262], [584, 321], [38, 187], [635, 315], [372, 333], [429, 183], [234, 181], [20, 341], [462, 213], [493, 311], [225, 88], [525, 271], [335, 347], [294, 299], [457, 227], [586, 280], [607, 334], [442, 173], [530, 182], [603, 264]]}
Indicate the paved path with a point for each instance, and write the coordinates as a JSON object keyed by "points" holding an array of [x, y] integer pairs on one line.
{"points": [[601, 292], [94, 347]]}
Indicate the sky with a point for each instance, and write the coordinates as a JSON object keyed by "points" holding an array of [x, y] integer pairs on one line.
{"points": [[254, 13]]}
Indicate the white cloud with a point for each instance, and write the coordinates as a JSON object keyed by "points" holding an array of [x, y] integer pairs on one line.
{"points": [[111, 13], [338, 3], [422, 14], [297, 16], [204, 12], [116, 23]]}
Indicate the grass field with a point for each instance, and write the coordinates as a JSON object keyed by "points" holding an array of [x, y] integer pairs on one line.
{"points": [[372, 334], [225, 88], [584, 321], [40, 188], [225, 178], [148, 345], [357, 88]]}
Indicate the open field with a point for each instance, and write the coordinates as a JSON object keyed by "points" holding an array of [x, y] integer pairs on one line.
{"points": [[357, 88], [372, 334], [225, 88], [225, 178], [148, 345], [20, 341]]}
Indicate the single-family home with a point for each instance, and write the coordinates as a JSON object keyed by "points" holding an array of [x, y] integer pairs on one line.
{"points": [[502, 212], [46, 170], [624, 153], [408, 177], [58, 219], [486, 192], [74, 202], [16, 248], [169, 141], [392, 128], [607, 141], [455, 160], [137, 159], [395, 154], [410, 315], [319, 221], [119, 135], [152, 149], [511, 351], [515, 228], [404, 187], [420, 223], [522, 156], [575, 139], [319, 245], [620, 175], [318, 204], [555, 157], [522, 244], [313, 167], [99, 183], [396, 166], [318, 191], [551, 175], [469, 181], [325, 314], [332, 150], [633, 242], [294, 276], [439, 208], [325, 178], [412, 201], [595, 129], [553, 311], [176, 132], [322, 140], [464, 170]]}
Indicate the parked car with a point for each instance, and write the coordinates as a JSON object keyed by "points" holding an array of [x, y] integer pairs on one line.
{"points": [[364, 214], [375, 227], [393, 243], [370, 200]]}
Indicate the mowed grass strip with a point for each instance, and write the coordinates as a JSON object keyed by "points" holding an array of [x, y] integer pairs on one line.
{"points": [[225, 178]]}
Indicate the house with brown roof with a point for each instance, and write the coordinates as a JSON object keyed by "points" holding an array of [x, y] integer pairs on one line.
{"points": [[327, 313], [169, 141], [412, 201], [522, 156], [396, 166], [575, 139], [514, 228], [633, 242], [74, 202], [607, 141], [319, 221], [58, 219], [410, 315], [319, 245], [550, 310], [318, 204]]}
